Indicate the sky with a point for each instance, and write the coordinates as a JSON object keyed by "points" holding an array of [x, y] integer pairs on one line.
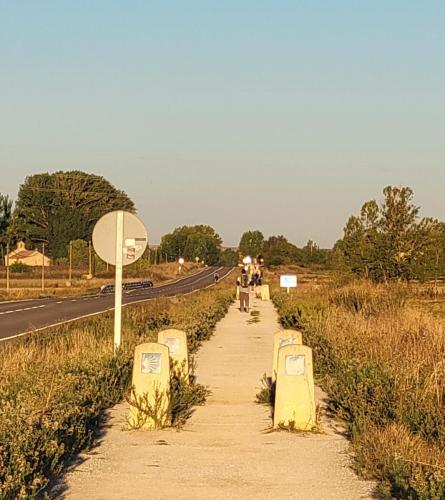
{"points": [[282, 116]]}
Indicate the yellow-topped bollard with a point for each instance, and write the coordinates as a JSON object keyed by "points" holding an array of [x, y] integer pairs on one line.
{"points": [[149, 407], [176, 341], [294, 394], [281, 338], [265, 292]]}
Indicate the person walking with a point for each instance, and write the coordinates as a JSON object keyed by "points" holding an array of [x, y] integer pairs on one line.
{"points": [[244, 291]]}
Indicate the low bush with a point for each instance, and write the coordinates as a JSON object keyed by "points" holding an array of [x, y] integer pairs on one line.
{"points": [[20, 267], [55, 386]]}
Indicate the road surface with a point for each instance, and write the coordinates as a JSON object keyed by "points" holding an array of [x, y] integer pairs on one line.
{"points": [[24, 316]]}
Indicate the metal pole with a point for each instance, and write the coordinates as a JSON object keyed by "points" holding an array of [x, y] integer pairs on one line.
{"points": [[7, 268], [71, 263], [43, 267], [118, 279]]}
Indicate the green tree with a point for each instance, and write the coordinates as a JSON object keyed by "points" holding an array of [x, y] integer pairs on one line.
{"points": [[57, 208], [203, 246], [79, 253], [388, 242], [5, 220], [277, 251], [229, 257], [398, 222], [200, 241], [312, 254], [251, 243]]}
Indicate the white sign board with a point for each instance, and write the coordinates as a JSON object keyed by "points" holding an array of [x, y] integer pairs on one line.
{"points": [[133, 236], [288, 281], [119, 238]]}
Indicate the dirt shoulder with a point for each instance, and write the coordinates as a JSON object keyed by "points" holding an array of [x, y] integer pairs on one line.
{"points": [[226, 450]]}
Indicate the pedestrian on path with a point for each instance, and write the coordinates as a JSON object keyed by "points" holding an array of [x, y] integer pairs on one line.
{"points": [[244, 291]]}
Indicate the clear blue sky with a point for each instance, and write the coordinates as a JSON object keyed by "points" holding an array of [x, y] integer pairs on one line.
{"points": [[281, 115]]}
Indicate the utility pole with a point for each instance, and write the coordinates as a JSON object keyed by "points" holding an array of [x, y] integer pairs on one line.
{"points": [[7, 268], [89, 259], [156, 255], [43, 267], [71, 262]]}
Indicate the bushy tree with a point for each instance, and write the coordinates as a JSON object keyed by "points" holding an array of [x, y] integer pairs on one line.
{"points": [[251, 243], [311, 254], [79, 253], [277, 251], [229, 257], [57, 208], [200, 241], [203, 246], [388, 242], [5, 220]]}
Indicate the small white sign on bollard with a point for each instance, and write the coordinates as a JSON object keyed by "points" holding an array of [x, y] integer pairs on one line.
{"points": [[119, 239], [288, 281]]}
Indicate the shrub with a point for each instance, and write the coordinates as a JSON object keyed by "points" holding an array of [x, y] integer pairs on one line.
{"points": [[20, 267]]}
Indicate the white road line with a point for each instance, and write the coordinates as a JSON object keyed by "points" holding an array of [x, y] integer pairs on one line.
{"points": [[99, 312], [20, 310]]}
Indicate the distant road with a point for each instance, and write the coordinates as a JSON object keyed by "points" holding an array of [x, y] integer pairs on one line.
{"points": [[25, 316]]}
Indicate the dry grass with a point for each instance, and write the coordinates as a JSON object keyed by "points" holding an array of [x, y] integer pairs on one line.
{"points": [[382, 361], [55, 386]]}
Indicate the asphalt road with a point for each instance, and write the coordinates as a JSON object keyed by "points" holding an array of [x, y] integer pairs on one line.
{"points": [[25, 316]]}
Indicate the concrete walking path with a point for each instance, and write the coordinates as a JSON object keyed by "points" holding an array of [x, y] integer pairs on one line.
{"points": [[226, 450]]}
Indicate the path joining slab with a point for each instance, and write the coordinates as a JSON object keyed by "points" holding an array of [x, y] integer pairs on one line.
{"points": [[226, 450]]}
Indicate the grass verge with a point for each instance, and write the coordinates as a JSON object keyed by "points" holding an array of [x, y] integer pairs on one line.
{"points": [[382, 364], [55, 386]]}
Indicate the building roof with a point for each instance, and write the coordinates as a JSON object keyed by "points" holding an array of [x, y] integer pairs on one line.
{"points": [[21, 254]]}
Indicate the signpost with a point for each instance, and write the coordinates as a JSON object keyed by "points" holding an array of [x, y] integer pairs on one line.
{"points": [[119, 238], [288, 281]]}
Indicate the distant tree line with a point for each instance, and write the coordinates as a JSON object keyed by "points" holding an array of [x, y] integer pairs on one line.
{"points": [[389, 241], [277, 250], [62, 207]]}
